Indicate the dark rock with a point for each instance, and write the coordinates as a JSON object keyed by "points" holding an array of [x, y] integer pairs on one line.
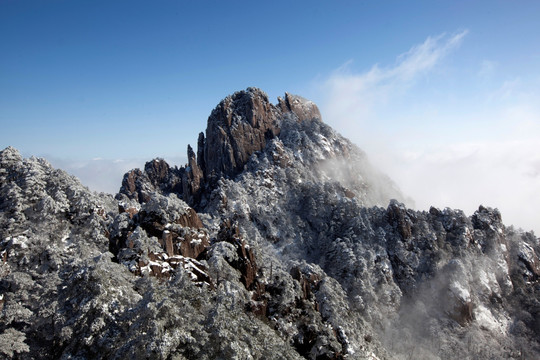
{"points": [[489, 221], [131, 211], [190, 219], [309, 282], [246, 263], [192, 179], [434, 211], [348, 193], [157, 171], [119, 230], [530, 262], [485, 218], [398, 217], [158, 176], [179, 228], [240, 125], [200, 152], [178, 237], [462, 312], [302, 108], [135, 185]]}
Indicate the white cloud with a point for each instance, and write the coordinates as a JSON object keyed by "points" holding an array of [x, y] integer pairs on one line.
{"points": [[102, 175], [506, 90], [502, 174], [484, 153], [352, 97], [423, 57], [487, 69]]}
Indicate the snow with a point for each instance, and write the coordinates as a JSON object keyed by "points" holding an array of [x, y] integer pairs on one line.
{"points": [[193, 264], [486, 320], [526, 252], [325, 144], [21, 241], [460, 292], [484, 281]]}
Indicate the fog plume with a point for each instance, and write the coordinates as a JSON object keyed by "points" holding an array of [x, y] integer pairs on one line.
{"points": [[443, 144]]}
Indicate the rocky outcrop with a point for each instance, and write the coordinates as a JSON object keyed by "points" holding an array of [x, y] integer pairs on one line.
{"points": [[136, 185], [200, 152], [157, 176], [192, 180], [400, 219], [244, 261], [160, 237], [163, 267], [309, 282], [240, 125], [163, 177], [529, 262], [301, 108]]}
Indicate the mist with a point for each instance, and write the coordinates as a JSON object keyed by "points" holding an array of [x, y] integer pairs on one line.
{"points": [[444, 144], [104, 175], [500, 174]]}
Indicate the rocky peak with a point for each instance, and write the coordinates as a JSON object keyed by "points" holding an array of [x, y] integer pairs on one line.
{"points": [[133, 185], [192, 178], [157, 176], [302, 108], [10, 155], [240, 125], [157, 171]]}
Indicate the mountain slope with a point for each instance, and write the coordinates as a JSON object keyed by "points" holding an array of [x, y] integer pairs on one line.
{"points": [[278, 239]]}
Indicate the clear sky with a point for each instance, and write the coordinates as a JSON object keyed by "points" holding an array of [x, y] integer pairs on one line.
{"points": [[442, 95]]}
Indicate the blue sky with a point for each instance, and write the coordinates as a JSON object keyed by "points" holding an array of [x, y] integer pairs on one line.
{"points": [[442, 95]]}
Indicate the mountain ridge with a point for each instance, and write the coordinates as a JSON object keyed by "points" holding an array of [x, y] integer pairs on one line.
{"points": [[240, 125], [277, 240]]}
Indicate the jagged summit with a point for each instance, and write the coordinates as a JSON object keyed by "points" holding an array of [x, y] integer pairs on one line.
{"points": [[245, 123], [240, 125]]}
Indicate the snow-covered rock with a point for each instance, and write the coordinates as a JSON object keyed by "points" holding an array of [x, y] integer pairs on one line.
{"points": [[278, 240]]}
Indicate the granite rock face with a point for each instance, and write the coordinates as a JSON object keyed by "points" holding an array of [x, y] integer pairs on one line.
{"points": [[239, 126], [193, 179], [157, 176], [301, 108], [277, 240]]}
